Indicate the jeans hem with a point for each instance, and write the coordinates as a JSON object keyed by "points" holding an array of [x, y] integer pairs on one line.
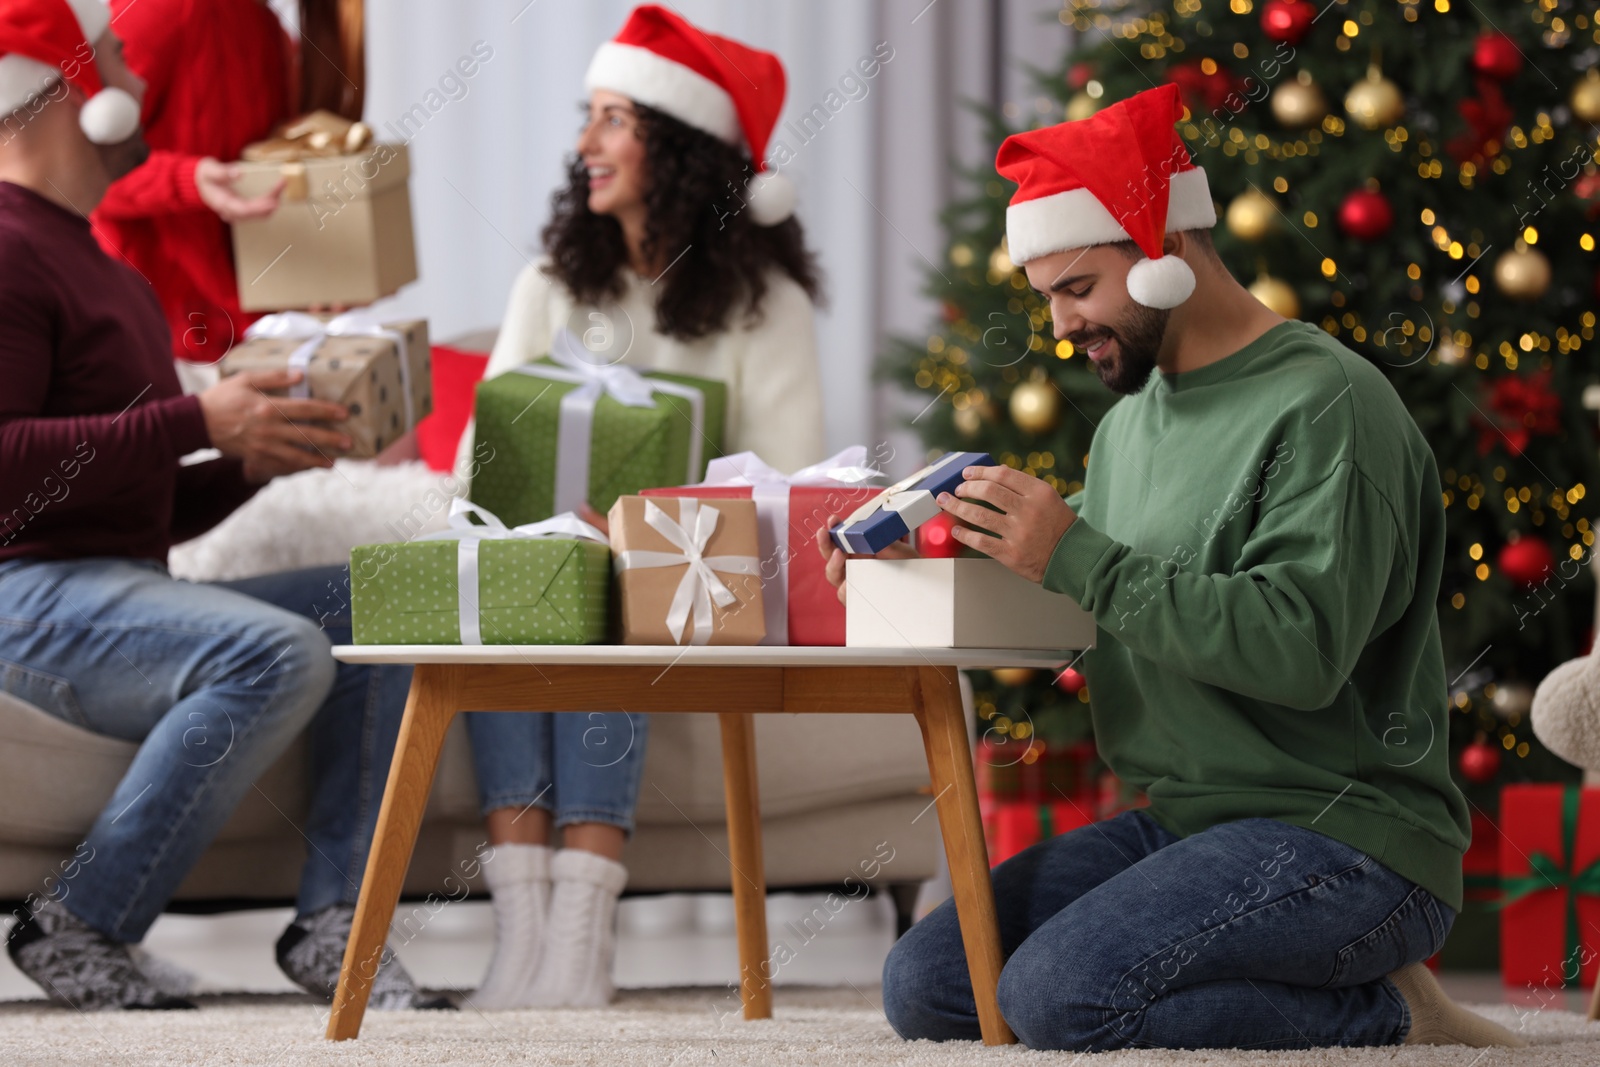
{"points": [[1403, 1031], [621, 821], [520, 801]]}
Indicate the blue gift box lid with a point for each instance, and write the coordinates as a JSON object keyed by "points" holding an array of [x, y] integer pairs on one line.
{"points": [[904, 506]]}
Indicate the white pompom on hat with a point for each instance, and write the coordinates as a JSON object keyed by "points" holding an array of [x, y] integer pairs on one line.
{"points": [[1122, 174], [715, 84], [42, 40]]}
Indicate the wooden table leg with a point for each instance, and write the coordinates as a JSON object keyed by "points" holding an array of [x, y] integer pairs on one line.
{"points": [[1594, 1003], [749, 871], [430, 708], [944, 734]]}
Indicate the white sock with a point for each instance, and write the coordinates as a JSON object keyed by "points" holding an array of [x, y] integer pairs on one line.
{"points": [[575, 968], [518, 876], [1438, 1020]]}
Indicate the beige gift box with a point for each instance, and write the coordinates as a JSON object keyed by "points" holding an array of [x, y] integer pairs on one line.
{"points": [[359, 371], [341, 235], [957, 603], [653, 572]]}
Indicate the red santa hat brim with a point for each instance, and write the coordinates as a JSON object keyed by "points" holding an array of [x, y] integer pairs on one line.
{"points": [[43, 41], [1076, 219], [655, 81]]}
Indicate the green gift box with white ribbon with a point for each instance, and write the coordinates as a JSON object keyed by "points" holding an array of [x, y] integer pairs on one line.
{"points": [[544, 583], [562, 431]]}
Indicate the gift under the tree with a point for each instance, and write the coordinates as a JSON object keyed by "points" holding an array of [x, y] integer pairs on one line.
{"points": [[545, 583], [562, 432], [380, 370], [802, 607], [687, 572], [1014, 825], [342, 232], [1028, 769], [957, 603], [1550, 884], [896, 511]]}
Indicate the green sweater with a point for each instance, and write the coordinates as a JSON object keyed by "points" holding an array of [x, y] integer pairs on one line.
{"points": [[1260, 543]]}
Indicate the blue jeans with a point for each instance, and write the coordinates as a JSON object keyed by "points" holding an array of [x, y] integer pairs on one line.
{"points": [[214, 681], [579, 766], [1253, 934]]}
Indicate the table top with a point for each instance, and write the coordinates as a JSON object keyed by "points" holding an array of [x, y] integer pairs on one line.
{"points": [[706, 656]]}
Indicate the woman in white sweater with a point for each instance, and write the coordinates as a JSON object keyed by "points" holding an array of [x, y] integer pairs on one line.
{"points": [[661, 258]]}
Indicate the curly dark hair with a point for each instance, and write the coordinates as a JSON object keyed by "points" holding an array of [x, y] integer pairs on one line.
{"points": [[691, 182]]}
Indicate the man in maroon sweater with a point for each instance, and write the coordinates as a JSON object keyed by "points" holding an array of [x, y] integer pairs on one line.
{"points": [[213, 681]]}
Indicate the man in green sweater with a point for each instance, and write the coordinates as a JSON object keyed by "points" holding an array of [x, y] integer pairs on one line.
{"points": [[1259, 538]]}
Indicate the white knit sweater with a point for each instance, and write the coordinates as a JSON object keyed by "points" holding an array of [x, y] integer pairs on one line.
{"points": [[770, 367]]}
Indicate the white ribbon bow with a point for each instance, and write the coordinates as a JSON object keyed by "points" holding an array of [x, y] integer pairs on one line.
{"points": [[770, 491], [699, 587], [467, 534], [576, 418], [312, 331]]}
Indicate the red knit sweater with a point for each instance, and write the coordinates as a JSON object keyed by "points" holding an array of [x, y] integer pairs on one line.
{"points": [[218, 78]]}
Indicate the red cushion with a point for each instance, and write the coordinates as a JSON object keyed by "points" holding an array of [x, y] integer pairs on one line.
{"points": [[456, 373]]}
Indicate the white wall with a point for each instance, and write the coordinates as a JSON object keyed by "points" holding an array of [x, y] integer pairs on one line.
{"points": [[871, 182]]}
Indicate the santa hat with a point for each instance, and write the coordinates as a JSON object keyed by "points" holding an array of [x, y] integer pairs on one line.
{"points": [[1121, 174], [42, 40], [717, 85]]}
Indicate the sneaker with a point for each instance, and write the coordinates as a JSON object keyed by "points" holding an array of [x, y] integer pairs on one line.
{"points": [[79, 967], [311, 952]]}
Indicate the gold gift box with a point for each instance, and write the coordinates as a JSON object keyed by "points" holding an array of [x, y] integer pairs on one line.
{"points": [[363, 373]]}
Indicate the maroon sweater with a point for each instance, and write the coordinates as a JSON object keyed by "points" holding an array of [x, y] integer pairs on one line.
{"points": [[92, 421]]}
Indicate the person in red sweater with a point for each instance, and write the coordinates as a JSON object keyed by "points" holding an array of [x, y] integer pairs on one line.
{"points": [[217, 79], [211, 680]]}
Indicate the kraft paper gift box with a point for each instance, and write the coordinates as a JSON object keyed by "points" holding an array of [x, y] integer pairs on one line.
{"points": [[904, 506], [1550, 885], [342, 233], [543, 584], [957, 603], [380, 371], [687, 572], [802, 608], [564, 432]]}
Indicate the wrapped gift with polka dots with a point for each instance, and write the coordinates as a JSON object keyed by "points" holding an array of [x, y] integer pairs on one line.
{"points": [[566, 430], [543, 583]]}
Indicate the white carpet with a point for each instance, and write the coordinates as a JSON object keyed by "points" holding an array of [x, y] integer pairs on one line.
{"points": [[675, 1027]]}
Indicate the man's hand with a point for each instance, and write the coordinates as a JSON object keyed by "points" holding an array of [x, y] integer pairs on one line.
{"points": [[1031, 519], [214, 179], [265, 431], [834, 556]]}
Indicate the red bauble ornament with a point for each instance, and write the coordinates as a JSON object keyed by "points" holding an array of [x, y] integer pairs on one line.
{"points": [[1070, 681], [1366, 215], [1288, 20], [1079, 75], [934, 539], [1495, 55], [1480, 762], [1526, 560]]}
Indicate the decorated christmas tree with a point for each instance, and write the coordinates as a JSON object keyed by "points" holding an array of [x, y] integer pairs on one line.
{"points": [[1419, 180]]}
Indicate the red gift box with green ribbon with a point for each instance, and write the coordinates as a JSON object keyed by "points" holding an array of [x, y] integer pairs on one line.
{"points": [[1550, 881], [1015, 825]]}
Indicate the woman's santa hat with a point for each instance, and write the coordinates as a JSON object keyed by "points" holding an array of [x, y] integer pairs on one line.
{"points": [[43, 40], [717, 85], [1121, 174]]}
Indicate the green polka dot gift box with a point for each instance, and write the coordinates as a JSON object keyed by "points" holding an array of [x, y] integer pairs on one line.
{"points": [[559, 432]]}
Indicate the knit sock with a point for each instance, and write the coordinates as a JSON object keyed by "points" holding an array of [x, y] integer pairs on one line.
{"points": [[311, 953], [171, 979], [79, 967], [518, 876], [575, 967], [1438, 1020]]}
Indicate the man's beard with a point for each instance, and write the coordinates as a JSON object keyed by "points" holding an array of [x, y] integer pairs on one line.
{"points": [[1138, 337], [121, 158]]}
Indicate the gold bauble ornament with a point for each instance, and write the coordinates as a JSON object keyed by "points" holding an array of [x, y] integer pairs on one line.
{"points": [[1277, 294], [1081, 106], [1000, 265], [1251, 215], [1523, 273], [1374, 102], [1013, 675], [1586, 97], [1512, 698], [1299, 104], [1035, 406], [968, 420]]}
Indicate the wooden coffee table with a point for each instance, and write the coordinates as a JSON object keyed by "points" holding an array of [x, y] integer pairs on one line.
{"points": [[732, 682]]}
